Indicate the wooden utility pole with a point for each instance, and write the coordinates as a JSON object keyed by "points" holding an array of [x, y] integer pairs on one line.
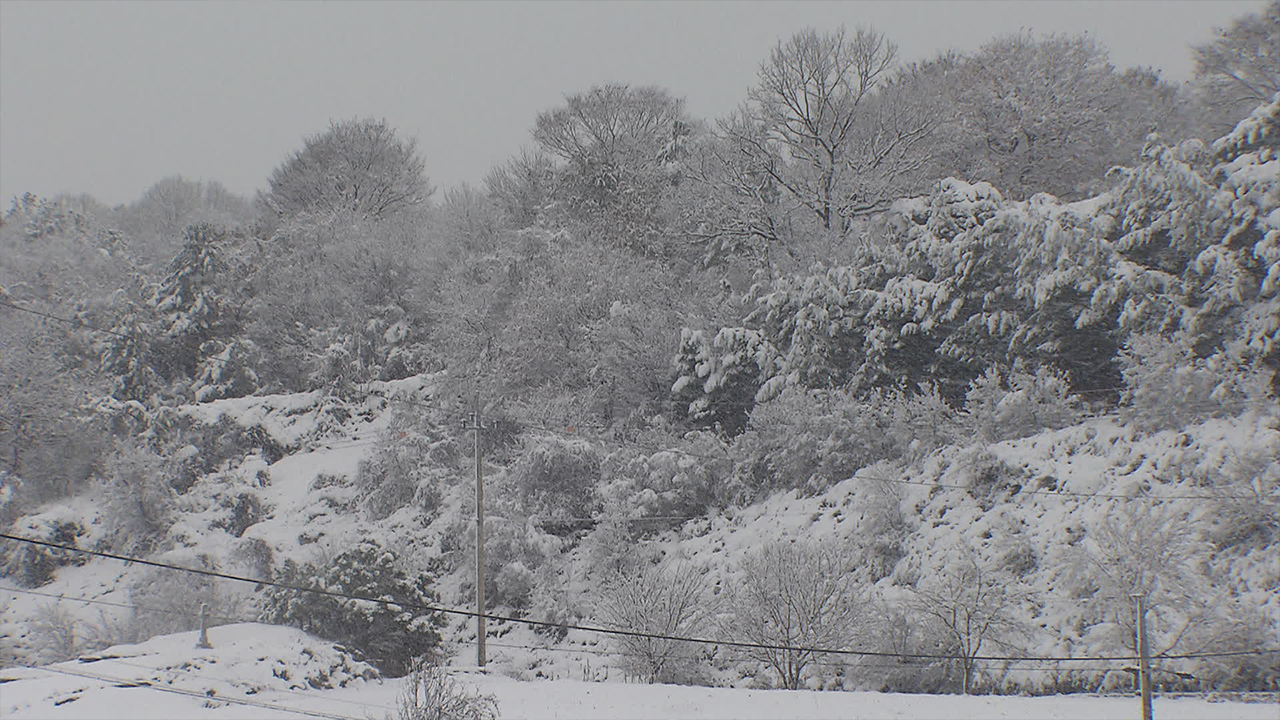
{"points": [[476, 427], [1144, 661]]}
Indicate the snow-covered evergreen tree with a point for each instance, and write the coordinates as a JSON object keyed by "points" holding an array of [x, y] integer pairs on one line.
{"points": [[1198, 239], [190, 302], [127, 360]]}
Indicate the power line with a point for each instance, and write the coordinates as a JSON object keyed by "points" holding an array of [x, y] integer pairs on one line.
{"points": [[125, 606], [1021, 490], [69, 321], [540, 648], [601, 630], [588, 651], [818, 662]]}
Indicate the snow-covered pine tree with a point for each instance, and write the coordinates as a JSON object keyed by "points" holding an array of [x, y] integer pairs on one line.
{"points": [[126, 358], [717, 380], [189, 301], [1198, 239], [963, 280]]}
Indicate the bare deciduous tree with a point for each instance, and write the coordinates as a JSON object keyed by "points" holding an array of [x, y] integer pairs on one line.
{"points": [[610, 123], [619, 144], [735, 202], [1037, 112], [1241, 67], [971, 603], [522, 187], [158, 218], [356, 166], [799, 599], [813, 98], [664, 599], [1154, 551]]}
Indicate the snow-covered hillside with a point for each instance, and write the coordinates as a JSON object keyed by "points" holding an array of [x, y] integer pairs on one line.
{"points": [[1036, 507]]}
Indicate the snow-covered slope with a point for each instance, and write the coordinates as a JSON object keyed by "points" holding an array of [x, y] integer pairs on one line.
{"points": [[1030, 499]]}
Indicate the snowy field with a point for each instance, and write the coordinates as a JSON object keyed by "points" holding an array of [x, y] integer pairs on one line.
{"points": [[260, 671]]}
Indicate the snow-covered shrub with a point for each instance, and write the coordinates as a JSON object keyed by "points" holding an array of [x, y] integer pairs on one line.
{"points": [[243, 509], [916, 421], [400, 473], [34, 565], [683, 481], [1248, 516], [139, 502], [515, 552], [989, 479], [807, 440], [57, 633], [1002, 406], [555, 481], [1169, 387], [201, 448], [227, 370], [430, 693], [813, 439], [1019, 560], [513, 586], [614, 540], [388, 634], [882, 528], [256, 555], [411, 463]]}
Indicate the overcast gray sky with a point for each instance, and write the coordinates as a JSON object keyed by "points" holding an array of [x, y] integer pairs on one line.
{"points": [[107, 97]]}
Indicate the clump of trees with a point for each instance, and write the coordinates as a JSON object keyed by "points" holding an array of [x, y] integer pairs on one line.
{"points": [[390, 630]]}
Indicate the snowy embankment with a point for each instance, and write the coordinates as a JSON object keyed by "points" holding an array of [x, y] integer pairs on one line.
{"points": [[257, 671]]}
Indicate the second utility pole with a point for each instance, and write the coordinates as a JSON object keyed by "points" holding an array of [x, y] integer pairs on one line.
{"points": [[480, 630], [1144, 655]]}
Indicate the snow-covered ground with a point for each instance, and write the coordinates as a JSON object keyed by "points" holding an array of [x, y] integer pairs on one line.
{"points": [[259, 671]]}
